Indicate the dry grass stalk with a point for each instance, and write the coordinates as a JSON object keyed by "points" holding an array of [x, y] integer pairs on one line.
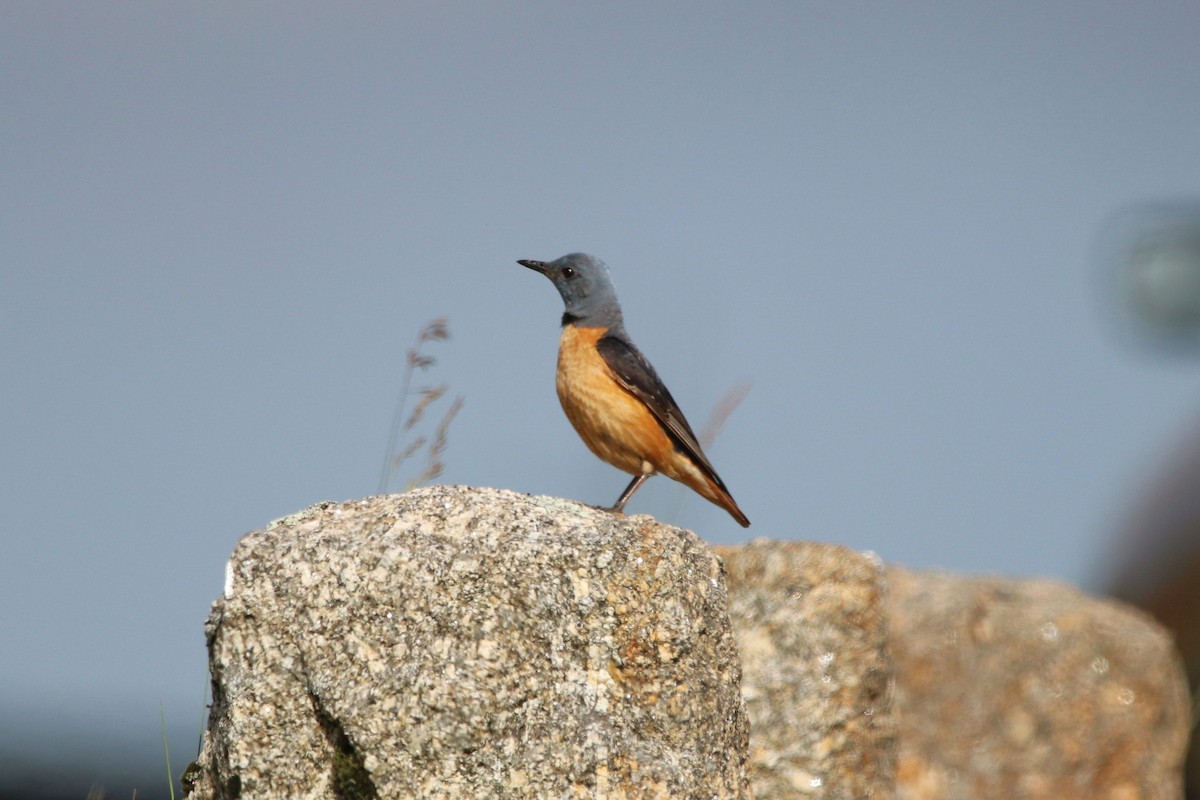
{"points": [[434, 331]]}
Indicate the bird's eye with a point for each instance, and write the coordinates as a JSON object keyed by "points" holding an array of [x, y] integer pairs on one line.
{"points": [[567, 272]]}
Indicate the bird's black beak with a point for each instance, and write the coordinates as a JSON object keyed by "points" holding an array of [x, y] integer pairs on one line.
{"points": [[536, 266]]}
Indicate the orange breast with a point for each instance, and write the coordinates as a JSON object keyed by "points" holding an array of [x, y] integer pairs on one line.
{"points": [[614, 424]]}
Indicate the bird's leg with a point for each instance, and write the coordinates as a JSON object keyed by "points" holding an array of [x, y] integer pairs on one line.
{"points": [[633, 486]]}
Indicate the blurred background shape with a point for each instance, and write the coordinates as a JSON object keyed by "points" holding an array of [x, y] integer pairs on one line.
{"points": [[1153, 252], [1151, 257]]}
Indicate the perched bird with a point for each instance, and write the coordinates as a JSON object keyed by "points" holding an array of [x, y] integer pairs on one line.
{"points": [[612, 395]]}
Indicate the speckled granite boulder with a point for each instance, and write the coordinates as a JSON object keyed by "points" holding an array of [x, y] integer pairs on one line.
{"points": [[964, 688], [472, 643], [463, 643], [815, 669], [1031, 690]]}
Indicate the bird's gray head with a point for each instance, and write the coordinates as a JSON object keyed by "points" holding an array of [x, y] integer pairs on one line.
{"points": [[586, 289]]}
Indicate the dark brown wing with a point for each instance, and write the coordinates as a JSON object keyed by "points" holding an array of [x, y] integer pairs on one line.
{"points": [[637, 376]]}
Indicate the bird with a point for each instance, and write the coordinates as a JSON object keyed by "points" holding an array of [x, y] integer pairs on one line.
{"points": [[611, 394]]}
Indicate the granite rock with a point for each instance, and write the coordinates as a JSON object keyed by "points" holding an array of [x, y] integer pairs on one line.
{"points": [[454, 642], [816, 673], [1029, 689], [473, 643]]}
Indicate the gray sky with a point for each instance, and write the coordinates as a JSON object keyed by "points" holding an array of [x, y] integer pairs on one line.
{"points": [[223, 224]]}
